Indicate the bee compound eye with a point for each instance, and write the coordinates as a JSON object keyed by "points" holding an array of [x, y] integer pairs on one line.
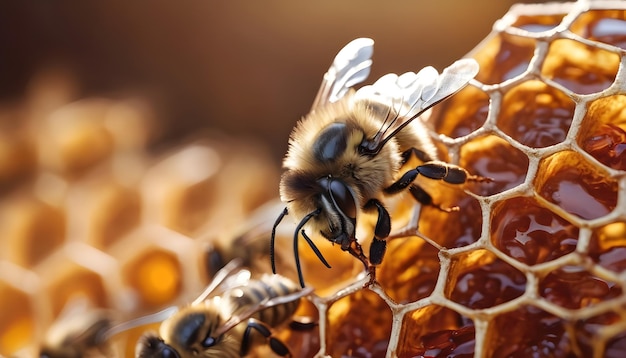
{"points": [[169, 352], [343, 198]]}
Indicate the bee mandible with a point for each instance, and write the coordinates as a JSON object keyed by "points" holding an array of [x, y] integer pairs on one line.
{"points": [[346, 155]]}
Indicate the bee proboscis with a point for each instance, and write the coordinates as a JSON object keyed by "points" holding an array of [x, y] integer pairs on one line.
{"points": [[232, 315], [346, 155]]}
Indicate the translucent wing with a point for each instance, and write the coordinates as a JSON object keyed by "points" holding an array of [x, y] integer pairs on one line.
{"points": [[403, 98], [266, 303], [231, 275], [350, 67]]}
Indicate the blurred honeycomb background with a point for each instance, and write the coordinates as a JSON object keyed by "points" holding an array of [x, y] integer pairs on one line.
{"points": [[134, 140]]}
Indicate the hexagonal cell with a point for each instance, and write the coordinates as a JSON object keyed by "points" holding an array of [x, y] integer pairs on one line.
{"points": [[18, 320], [571, 182], [528, 332], [32, 230], [504, 57], [573, 287], [538, 23], [492, 157], [603, 131], [73, 138], [589, 332], [580, 68], [608, 246], [410, 269], [530, 233], [68, 280], [180, 190], [462, 114], [536, 114], [360, 325], [435, 331], [103, 212], [480, 280], [608, 26], [155, 275], [456, 228]]}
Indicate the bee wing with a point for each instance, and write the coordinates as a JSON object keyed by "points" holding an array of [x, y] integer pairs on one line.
{"points": [[252, 309], [411, 94], [351, 66], [231, 275]]}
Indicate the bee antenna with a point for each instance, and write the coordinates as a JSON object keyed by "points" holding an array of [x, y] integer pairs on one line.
{"points": [[295, 244], [273, 238]]}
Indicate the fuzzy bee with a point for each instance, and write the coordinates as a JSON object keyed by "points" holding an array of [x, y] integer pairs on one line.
{"points": [[231, 316], [346, 155]]}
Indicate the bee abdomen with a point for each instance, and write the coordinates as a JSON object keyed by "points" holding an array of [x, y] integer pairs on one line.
{"points": [[269, 287]]}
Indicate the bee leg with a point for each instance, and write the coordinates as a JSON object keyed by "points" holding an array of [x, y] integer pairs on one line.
{"points": [[275, 344], [425, 199], [381, 231]]}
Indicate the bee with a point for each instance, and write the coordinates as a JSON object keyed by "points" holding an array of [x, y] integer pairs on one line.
{"points": [[78, 332], [228, 324], [346, 155]]}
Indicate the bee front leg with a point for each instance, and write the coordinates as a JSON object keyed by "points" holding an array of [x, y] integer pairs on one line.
{"points": [[275, 344], [381, 231]]}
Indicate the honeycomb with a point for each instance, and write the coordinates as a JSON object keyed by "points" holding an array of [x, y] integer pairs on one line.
{"points": [[531, 265]]}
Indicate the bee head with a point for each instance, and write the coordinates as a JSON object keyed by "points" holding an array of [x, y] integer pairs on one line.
{"points": [[339, 206], [152, 346]]}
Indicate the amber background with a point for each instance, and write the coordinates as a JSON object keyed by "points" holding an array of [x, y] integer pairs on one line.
{"points": [[245, 67]]}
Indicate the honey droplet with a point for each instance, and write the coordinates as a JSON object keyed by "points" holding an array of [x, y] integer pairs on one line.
{"points": [[608, 246], [536, 114], [573, 287], [529, 233], [458, 343]]}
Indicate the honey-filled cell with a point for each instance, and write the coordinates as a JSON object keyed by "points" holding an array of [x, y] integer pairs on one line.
{"points": [[457, 228], [607, 247], [603, 131], [608, 26], [360, 325], [18, 320], [492, 157], [568, 180], [528, 332], [535, 114], [110, 210], [538, 23], [572, 287], [69, 281], [156, 277], [504, 57], [435, 331], [480, 280], [530, 233], [32, 230], [579, 67], [410, 269], [462, 114]]}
